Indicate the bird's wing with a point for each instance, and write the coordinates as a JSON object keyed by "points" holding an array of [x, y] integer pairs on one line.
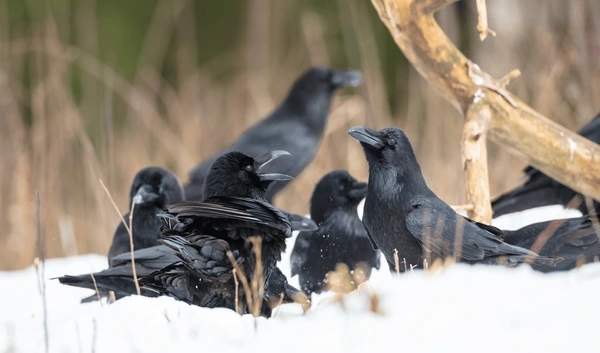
{"points": [[446, 234], [205, 256], [150, 259], [174, 280], [490, 228], [236, 211]]}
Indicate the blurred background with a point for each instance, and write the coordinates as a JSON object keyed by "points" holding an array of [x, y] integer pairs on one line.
{"points": [[97, 89]]}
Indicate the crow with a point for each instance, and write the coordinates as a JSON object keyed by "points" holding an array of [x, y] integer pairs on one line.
{"points": [[575, 240], [297, 126], [341, 237], [152, 189], [193, 264], [409, 223], [541, 190]]}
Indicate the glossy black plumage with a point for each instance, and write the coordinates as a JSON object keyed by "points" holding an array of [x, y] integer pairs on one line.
{"points": [[541, 190], [152, 188], [192, 265], [409, 223], [297, 126], [341, 237], [575, 241]]}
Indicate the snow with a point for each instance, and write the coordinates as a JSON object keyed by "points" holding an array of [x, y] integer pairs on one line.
{"points": [[459, 308]]}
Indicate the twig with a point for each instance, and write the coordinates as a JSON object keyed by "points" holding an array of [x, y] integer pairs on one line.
{"points": [[594, 217], [242, 277], [131, 250], [482, 21], [397, 261], [129, 232], [112, 201], [237, 291], [40, 267], [95, 286], [258, 283]]}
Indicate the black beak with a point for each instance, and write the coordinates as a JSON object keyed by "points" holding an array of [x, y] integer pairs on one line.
{"points": [[366, 137], [145, 194], [348, 78], [358, 191], [261, 163]]}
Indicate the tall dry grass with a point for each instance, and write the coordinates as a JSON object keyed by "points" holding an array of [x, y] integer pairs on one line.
{"points": [[60, 143]]}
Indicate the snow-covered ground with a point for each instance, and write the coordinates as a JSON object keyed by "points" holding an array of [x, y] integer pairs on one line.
{"points": [[457, 309]]}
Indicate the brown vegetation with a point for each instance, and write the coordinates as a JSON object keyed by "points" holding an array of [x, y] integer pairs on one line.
{"points": [[67, 142]]}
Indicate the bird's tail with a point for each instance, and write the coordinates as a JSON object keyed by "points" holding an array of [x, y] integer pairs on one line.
{"points": [[103, 284]]}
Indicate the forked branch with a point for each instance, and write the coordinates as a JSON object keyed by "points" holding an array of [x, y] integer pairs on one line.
{"points": [[558, 152]]}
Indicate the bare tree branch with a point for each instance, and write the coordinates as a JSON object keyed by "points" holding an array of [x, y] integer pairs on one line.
{"points": [[558, 152]]}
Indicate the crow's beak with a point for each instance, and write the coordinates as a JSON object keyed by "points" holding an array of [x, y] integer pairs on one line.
{"points": [[358, 191], [366, 137], [348, 78], [261, 163], [145, 194]]}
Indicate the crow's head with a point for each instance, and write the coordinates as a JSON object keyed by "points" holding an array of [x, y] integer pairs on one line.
{"points": [[236, 174], [388, 147], [155, 186], [336, 190], [310, 96]]}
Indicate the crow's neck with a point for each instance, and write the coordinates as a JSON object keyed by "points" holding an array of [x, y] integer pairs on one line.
{"points": [[312, 109], [389, 183]]}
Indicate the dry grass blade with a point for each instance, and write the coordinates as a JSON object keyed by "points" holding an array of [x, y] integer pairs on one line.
{"points": [[237, 291], [128, 227], [241, 276], [95, 286], [40, 268], [258, 282]]}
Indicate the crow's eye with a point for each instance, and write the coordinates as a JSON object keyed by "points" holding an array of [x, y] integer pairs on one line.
{"points": [[391, 142], [249, 168]]}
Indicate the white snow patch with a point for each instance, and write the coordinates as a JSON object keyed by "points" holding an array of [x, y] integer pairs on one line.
{"points": [[460, 309], [517, 220]]}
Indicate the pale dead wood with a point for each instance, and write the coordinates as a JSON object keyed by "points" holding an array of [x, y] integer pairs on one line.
{"points": [[474, 152], [465, 208], [482, 21], [556, 151]]}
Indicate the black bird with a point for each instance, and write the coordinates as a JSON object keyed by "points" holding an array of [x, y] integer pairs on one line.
{"points": [[192, 265], [575, 240], [297, 126], [541, 190], [341, 237], [152, 189], [409, 223]]}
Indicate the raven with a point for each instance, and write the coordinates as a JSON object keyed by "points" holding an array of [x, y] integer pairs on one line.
{"points": [[541, 190], [575, 240], [152, 189], [409, 223], [297, 126], [192, 264], [341, 237]]}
